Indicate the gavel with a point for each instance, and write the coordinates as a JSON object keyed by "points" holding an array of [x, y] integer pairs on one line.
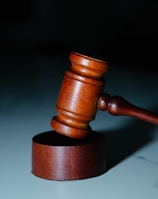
{"points": [[81, 94], [73, 150]]}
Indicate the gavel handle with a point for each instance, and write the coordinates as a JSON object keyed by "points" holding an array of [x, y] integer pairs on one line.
{"points": [[117, 105]]}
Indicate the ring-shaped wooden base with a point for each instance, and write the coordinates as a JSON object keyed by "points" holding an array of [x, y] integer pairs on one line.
{"points": [[57, 157]]}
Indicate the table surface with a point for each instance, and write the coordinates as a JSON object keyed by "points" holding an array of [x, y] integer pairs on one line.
{"points": [[27, 103]]}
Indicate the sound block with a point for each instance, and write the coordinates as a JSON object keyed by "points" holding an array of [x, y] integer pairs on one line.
{"points": [[58, 157]]}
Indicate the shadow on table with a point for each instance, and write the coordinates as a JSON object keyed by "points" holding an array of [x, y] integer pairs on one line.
{"points": [[126, 141]]}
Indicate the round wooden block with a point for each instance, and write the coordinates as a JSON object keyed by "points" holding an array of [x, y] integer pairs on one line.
{"points": [[57, 157]]}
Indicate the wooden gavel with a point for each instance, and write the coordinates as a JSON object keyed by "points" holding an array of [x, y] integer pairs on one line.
{"points": [[82, 94], [71, 152]]}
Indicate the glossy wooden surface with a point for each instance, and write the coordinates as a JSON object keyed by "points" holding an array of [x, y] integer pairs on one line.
{"points": [[58, 157], [81, 89]]}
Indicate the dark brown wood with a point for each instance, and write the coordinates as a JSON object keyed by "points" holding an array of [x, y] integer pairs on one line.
{"points": [[117, 105], [57, 157], [81, 89]]}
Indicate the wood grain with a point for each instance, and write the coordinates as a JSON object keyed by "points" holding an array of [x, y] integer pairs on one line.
{"points": [[57, 157]]}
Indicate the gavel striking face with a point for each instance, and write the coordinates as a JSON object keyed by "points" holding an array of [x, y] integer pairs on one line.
{"points": [[82, 94]]}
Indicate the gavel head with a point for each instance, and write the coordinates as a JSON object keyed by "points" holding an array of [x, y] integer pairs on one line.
{"points": [[78, 98]]}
